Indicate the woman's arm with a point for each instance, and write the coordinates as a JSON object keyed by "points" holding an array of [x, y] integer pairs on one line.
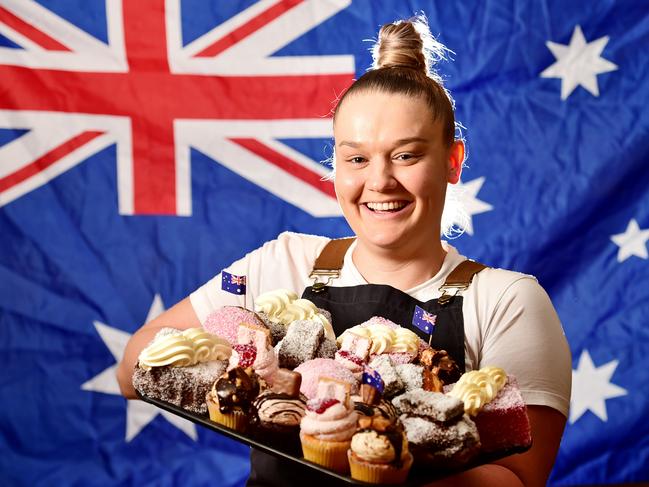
{"points": [[529, 469], [180, 316]]}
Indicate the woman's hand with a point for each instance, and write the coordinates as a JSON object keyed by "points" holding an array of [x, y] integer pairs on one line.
{"points": [[530, 469], [181, 316]]}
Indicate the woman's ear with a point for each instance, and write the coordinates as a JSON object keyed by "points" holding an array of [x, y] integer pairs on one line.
{"points": [[455, 160]]}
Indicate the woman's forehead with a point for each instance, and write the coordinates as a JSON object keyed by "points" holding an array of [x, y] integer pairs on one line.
{"points": [[377, 116]]}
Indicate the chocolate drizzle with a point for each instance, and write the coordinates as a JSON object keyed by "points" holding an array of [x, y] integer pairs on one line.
{"points": [[286, 406], [236, 390], [383, 408]]}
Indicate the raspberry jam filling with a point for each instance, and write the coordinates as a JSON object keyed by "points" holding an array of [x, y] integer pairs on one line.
{"points": [[351, 357], [247, 354], [319, 405]]}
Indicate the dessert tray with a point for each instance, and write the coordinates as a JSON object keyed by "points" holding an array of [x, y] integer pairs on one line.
{"points": [[418, 475]]}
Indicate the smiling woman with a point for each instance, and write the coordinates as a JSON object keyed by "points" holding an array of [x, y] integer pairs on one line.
{"points": [[395, 157], [392, 170]]}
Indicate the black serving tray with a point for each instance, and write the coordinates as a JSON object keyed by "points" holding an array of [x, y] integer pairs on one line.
{"points": [[418, 475]]}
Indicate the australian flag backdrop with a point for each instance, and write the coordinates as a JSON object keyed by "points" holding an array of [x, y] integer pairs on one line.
{"points": [[145, 145]]}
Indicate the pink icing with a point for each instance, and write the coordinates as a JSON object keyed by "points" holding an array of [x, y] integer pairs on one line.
{"points": [[378, 320], [266, 365], [312, 370], [224, 322], [351, 362], [336, 423]]}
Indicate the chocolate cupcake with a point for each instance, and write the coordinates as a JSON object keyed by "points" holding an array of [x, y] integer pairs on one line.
{"points": [[277, 412], [230, 400], [379, 451]]}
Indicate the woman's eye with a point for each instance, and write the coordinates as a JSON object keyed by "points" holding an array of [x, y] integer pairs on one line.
{"points": [[405, 156], [357, 159]]}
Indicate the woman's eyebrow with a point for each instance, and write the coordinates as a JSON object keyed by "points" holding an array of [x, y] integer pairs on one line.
{"points": [[400, 142], [410, 140], [349, 143]]}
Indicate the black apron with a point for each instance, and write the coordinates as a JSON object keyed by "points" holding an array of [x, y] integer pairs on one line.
{"points": [[350, 306]]}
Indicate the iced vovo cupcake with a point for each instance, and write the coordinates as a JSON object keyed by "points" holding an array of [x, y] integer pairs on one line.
{"points": [[328, 426]]}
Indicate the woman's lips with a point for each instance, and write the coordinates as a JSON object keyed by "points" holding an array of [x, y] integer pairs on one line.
{"points": [[388, 213]]}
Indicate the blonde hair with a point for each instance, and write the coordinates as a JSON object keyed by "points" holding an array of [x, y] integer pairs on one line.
{"points": [[404, 58]]}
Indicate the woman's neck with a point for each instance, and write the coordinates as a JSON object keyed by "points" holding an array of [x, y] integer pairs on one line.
{"points": [[402, 269]]}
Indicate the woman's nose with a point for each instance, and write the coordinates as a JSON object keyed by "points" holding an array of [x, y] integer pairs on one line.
{"points": [[381, 176]]}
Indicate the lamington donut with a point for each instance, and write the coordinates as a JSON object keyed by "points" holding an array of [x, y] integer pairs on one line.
{"points": [[301, 343], [438, 430], [388, 338], [179, 367], [282, 307], [224, 322], [494, 400], [313, 370]]}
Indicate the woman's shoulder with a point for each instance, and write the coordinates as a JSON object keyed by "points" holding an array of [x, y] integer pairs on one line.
{"points": [[503, 287], [294, 247], [298, 241]]}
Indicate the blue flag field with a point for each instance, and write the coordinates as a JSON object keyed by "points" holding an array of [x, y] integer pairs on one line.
{"points": [[146, 145]]}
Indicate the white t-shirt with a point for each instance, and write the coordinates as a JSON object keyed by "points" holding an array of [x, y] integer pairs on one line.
{"points": [[509, 320]]}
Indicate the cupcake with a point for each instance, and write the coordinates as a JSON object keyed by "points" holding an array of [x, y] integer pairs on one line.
{"points": [[328, 426], [379, 451], [277, 412], [230, 399]]}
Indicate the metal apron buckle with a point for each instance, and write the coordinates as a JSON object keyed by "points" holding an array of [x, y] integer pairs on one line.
{"points": [[446, 297], [316, 274]]}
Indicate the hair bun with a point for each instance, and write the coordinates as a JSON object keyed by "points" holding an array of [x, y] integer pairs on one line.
{"points": [[408, 44]]}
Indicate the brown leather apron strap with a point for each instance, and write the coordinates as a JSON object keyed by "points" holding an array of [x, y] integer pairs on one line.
{"points": [[333, 254], [459, 279], [331, 258], [329, 262]]}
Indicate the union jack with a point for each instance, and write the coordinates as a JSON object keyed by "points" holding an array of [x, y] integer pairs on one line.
{"points": [[145, 91], [238, 280]]}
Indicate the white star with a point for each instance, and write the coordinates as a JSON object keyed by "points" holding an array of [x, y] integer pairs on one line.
{"points": [[591, 386], [578, 63], [632, 242], [468, 194], [138, 413]]}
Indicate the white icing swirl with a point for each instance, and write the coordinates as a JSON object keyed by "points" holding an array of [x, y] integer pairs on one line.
{"points": [[207, 346], [479, 387], [190, 347], [405, 341], [172, 350], [272, 303], [386, 339], [284, 307]]}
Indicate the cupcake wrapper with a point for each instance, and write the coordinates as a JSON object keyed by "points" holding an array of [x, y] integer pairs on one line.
{"points": [[236, 420], [329, 454], [378, 473]]}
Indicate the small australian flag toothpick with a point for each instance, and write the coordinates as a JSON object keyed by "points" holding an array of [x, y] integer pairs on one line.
{"points": [[373, 378], [234, 284], [425, 321]]}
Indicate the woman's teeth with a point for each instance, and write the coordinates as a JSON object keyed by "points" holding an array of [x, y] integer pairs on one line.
{"points": [[391, 206]]}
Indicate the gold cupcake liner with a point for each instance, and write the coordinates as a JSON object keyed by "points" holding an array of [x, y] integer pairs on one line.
{"points": [[329, 454], [378, 473], [236, 420]]}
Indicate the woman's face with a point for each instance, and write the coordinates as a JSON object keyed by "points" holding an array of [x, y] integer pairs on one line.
{"points": [[392, 168]]}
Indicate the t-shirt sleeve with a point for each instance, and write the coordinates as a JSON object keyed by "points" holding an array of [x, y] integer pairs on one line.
{"points": [[524, 336], [281, 263]]}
